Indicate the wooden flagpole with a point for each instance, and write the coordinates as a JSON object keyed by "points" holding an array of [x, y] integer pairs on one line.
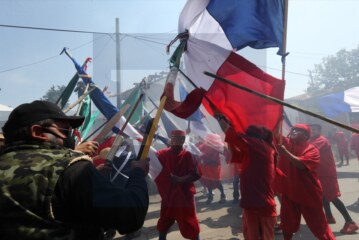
{"points": [[284, 48], [151, 134], [110, 124], [176, 57], [81, 103], [78, 100], [118, 140]]}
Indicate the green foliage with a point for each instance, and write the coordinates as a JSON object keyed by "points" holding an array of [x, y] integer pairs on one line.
{"points": [[335, 73], [53, 93]]}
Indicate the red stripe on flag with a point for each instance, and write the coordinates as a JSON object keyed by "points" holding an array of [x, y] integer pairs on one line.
{"points": [[241, 107], [187, 107]]}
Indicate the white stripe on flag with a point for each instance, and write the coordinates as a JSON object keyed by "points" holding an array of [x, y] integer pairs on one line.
{"points": [[351, 97]]}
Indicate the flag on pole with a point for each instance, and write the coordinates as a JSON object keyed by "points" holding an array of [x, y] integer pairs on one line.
{"points": [[197, 115], [102, 103], [65, 95], [86, 128], [218, 27], [90, 118], [131, 100], [197, 127], [108, 110]]}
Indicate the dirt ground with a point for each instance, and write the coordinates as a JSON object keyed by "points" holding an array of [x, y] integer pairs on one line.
{"points": [[223, 220]]}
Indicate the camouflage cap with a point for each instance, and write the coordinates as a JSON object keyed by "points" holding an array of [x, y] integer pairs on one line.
{"points": [[28, 113]]}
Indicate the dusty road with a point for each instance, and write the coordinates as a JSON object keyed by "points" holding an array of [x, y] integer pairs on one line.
{"points": [[223, 221]]}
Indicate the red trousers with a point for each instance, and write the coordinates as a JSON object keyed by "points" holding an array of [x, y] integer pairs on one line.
{"points": [[343, 152], [330, 188], [256, 226], [291, 213], [186, 219]]}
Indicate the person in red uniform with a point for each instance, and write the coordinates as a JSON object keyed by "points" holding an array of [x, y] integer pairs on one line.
{"points": [[343, 146], [210, 164], [354, 144], [176, 188], [327, 174], [257, 156], [232, 154], [301, 190]]}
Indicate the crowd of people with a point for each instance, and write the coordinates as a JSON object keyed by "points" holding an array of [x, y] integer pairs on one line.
{"points": [[51, 188]]}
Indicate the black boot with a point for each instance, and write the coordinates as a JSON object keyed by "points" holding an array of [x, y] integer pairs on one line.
{"points": [[162, 236], [210, 198], [223, 198]]}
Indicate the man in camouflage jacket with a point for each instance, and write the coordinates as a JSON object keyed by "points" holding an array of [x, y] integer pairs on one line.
{"points": [[49, 191]]}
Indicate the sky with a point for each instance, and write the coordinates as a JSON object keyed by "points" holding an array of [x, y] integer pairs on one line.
{"points": [[30, 62]]}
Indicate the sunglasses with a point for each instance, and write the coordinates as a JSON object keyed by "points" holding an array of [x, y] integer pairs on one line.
{"points": [[295, 130], [65, 131]]}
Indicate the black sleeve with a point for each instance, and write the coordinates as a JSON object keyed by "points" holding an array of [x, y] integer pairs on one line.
{"points": [[84, 196]]}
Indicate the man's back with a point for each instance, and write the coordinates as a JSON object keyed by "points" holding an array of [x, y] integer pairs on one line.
{"points": [[327, 163], [28, 175], [340, 139], [44, 183], [258, 175]]}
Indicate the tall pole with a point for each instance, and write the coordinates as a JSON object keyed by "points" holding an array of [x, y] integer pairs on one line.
{"points": [[285, 23], [118, 63], [284, 47]]}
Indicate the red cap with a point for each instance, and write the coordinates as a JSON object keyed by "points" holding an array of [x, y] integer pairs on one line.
{"points": [[302, 126], [178, 133]]}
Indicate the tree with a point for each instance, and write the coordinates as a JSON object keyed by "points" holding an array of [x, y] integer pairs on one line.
{"points": [[335, 73], [53, 94]]}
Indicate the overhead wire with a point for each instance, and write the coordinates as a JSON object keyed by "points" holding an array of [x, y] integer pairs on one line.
{"points": [[48, 58], [52, 29], [103, 48], [147, 43], [144, 39], [137, 37]]}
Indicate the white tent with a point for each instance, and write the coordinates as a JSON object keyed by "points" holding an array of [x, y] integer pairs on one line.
{"points": [[4, 114], [4, 108]]}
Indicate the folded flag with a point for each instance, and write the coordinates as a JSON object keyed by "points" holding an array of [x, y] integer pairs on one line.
{"points": [[102, 103], [197, 127], [131, 100], [65, 95], [197, 115], [185, 108]]}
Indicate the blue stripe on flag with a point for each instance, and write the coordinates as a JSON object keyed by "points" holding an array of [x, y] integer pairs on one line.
{"points": [[197, 115], [258, 24]]}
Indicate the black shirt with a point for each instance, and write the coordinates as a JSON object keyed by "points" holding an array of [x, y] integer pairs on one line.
{"points": [[87, 200]]}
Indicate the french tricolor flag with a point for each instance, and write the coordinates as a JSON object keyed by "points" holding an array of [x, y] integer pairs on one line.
{"points": [[216, 29]]}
